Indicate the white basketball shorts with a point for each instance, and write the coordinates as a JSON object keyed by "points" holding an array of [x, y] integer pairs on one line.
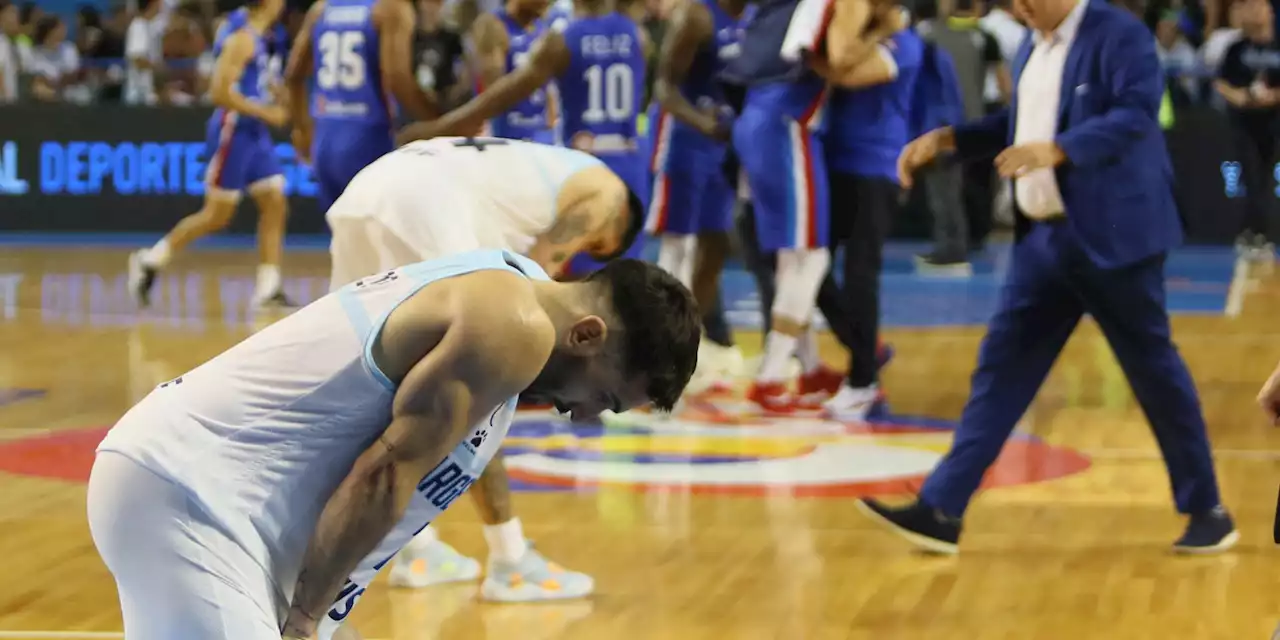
{"points": [[178, 576]]}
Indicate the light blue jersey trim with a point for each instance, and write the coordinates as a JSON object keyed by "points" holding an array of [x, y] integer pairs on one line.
{"points": [[425, 273]]}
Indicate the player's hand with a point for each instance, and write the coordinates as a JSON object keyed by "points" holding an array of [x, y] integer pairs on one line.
{"points": [[715, 127], [892, 18], [922, 151], [1021, 159], [298, 626], [425, 130], [1269, 397], [278, 94], [275, 115], [301, 139]]}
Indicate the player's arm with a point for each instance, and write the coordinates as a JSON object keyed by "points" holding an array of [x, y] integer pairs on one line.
{"points": [[237, 51], [296, 75], [582, 220], [395, 53], [298, 69], [856, 30], [548, 58], [876, 63], [489, 44], [689, 28], [488, 354]]}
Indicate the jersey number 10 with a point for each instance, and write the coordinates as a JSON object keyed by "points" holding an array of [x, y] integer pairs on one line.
{"points": [[341, 60], [610, 93]]}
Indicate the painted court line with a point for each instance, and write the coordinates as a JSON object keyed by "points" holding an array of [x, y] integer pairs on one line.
{"points": [[74, 635], [1240, 282]]}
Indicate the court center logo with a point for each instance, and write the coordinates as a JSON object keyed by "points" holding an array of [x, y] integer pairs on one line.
{"points": [[698, 452], [702, 450]]}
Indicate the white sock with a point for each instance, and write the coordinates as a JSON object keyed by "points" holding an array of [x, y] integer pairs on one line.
{"points": [[268, 279], [807, 351], [424, 539], [158, 255], [778, 350], [506, 540], [676, 256]]}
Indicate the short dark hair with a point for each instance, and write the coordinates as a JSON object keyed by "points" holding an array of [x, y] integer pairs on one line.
{"points": [[44, 27], [660, 329], [635, 224]]}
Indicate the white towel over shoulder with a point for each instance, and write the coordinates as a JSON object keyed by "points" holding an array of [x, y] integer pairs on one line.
{"points": [[807, 28]]}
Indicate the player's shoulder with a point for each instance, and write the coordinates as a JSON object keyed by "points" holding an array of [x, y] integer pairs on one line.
{"points": [[238, 41], [498, 313]]}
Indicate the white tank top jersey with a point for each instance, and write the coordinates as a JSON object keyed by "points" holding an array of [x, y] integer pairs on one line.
{"points": [[502, 192], [262, 435]]}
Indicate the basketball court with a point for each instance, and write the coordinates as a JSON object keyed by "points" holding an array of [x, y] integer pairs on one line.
{"points": [[713, 524]]}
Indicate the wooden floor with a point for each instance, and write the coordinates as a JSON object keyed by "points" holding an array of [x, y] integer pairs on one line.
{"points": [[1074, 546]]}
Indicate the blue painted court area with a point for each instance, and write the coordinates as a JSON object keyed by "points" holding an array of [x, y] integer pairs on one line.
{"points": [[1198, 280], [1198, 277]]}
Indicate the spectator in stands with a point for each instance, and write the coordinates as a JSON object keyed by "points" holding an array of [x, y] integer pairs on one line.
{"points": [[1216, 44], [88, 29], [1006, 28], [10, 63], [55, 64], [1249, 80], [1179, 58], [976, 56], [183, 81], [937, 101], [106, 60], [143, 46], [438, 53], [31, 16]]}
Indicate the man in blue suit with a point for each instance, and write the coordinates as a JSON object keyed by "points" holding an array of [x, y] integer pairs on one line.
{"points": [[1096, 220]]}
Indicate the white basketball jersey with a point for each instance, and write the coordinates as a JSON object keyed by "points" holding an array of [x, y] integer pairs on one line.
{"points": [[436, 195], [263, 434]]}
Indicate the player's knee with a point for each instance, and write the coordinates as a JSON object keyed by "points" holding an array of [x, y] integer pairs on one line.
{"points": [[268, 194], [218, 212]]}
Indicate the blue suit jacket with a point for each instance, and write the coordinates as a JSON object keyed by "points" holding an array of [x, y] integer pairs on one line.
{"points": [[1117, 180]]}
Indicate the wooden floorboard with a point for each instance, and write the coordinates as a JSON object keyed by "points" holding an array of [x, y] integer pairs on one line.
{"points": [[1048, 555]]}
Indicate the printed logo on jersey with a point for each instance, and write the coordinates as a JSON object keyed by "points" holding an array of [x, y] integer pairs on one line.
{"points": [[445, 483], [373, 281], [479, 436], [713, 449]]}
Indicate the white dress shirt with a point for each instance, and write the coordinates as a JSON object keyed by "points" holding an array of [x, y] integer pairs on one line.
{"points": [[144, 40], [1039, 90]]}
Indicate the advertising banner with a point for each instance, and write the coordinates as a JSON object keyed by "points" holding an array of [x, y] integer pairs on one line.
{"points": [[119, 169], [122, 169]]}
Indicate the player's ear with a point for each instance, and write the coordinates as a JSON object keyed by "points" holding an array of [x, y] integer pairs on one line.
{"points": [[587, 336]]}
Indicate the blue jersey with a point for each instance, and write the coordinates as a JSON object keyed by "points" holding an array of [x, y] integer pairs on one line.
{"points": [[601, 91], [776, 85], [254, 83], [763, 31], [528, 118], [869, 126], [701, 87], [348, 75]]}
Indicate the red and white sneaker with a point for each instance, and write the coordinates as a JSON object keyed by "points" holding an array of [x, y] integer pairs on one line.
{"points": [[818, 385], [772, 397]]}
